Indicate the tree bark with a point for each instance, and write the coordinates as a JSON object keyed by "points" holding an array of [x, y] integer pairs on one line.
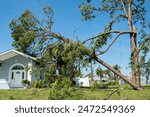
{"points": [[133, 46], [135, 86]]}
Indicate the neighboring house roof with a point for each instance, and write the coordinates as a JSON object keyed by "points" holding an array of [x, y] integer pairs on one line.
{"points": [[95, 76], [11, 53], [89, 75]]}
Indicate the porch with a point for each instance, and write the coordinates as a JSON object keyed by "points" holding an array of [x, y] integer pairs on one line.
{"points": [[4, 84]]}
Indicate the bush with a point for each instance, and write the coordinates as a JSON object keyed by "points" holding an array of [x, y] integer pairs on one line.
{"points": [[99, 85], [95, 84], [103, 85], [25, 82], [11, 97], [61, 89], [113, 83], [37, 84]]}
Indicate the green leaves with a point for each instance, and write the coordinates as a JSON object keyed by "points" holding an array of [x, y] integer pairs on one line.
{"points": [[29, 33], [91, 9], [60, 89], [100, 72], [87, 10], [23, 31], [49, 14], [101, 41]]}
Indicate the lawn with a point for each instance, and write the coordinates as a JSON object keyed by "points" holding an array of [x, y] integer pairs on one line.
{"points": [[126, 93]]}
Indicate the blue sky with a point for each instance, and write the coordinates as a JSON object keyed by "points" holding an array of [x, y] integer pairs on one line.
{"points": [[67, 20]]}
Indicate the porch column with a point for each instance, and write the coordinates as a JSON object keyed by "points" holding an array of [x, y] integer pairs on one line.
{"points": [[29, 72]]}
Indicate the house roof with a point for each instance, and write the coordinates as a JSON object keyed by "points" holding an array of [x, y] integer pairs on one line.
{"points": [[11, 53]]}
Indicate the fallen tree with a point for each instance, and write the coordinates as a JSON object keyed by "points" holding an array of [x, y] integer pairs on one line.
{"points": [[35, 37]]}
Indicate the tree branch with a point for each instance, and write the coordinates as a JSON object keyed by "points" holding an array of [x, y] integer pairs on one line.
{"points": [[109, 32], [106, 98], [124, 8], [93, 56], [60, 37], [143, 42], [110, 24], [104, 51], [139, 11]]}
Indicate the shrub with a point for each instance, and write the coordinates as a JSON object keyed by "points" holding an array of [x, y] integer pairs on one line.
{"points": [[113, 83], [95, 84], [37, 84], [103, 85], [99, 85], [25, 82], [11, 97], [61, 89]]}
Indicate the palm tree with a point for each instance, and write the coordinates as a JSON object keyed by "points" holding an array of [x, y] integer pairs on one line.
{"points": [[100, 73], [146, 71], [115, 76]]}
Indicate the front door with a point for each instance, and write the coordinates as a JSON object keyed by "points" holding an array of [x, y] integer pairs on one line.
{"points": [[16, 78]]}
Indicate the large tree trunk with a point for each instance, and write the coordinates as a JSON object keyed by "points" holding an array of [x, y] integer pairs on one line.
{"points": [[91, 75], [135, 86], [134, 54], [134, 61]]}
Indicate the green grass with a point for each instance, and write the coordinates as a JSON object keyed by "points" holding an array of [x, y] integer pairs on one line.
{"points": [[127, 93], [24, 94]]}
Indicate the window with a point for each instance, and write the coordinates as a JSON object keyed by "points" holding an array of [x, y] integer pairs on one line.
{"points": [[17, 67], [17, 72], [12, 75], [22, 75]]}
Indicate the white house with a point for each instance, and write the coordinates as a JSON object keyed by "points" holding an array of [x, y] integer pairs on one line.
{"points": [[12, 69], [85, 80]]}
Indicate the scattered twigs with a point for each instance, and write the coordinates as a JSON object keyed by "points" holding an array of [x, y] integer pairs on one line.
{"points": [[108, 96]]}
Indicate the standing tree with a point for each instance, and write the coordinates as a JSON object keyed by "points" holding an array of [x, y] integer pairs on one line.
{"points": [[116, 77], [146, 71], [100, 73], [130, 11], [36, 37], [103, 73]]}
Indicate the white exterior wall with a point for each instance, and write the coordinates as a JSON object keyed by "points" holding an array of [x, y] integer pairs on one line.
{"points": [[82, 82], [6, 66]]}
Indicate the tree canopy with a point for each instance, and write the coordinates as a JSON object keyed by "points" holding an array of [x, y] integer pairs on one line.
{"points": [[36, 37]]}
